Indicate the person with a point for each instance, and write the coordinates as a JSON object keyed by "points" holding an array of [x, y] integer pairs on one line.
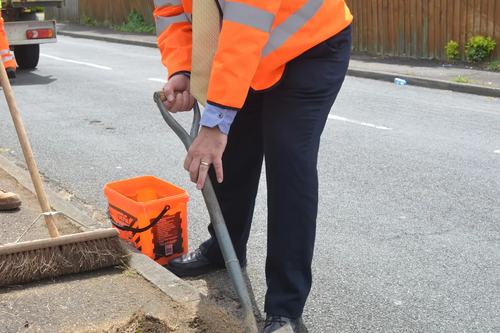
{"points": [[278, 68], [9, 200], [7, 57]]}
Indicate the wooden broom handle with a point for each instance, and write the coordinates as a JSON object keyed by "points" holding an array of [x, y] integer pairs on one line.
{"points": [[28, 154]]}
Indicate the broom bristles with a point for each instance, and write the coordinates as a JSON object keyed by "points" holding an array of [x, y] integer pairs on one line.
{"points": [[47, 262]]}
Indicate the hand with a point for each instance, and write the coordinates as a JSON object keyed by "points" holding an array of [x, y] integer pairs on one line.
{"points": [[177, 93], [208, 147]]}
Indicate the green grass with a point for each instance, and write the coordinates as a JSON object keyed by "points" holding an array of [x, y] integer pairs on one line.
{"points": [[494, 65], [461, 79]]}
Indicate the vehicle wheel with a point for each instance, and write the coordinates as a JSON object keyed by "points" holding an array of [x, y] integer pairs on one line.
{"points": [[27, 55]]}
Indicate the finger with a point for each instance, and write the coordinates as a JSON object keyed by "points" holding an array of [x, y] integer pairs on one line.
{"points": [[177, 106], [168, 90], [185, 101], [191, 102], [170, 99], [168, 106], [187, 162], [218, 170], [202, 175], [194, 170]]}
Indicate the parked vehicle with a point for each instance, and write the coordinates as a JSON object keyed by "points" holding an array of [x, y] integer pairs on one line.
{"points": [[25, 31]]}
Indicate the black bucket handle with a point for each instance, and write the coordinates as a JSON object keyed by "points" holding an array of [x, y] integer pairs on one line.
{"points": [[139, 230]]}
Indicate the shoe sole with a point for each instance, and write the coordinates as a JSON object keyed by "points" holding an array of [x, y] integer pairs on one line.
{"points": [[10, 205], [191, 272]]}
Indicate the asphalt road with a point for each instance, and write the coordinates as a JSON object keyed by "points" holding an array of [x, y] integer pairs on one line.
{"points": [[408, 229]]}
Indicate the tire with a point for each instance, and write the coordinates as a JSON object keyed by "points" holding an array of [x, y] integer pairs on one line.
{"points": [[27, 55]]}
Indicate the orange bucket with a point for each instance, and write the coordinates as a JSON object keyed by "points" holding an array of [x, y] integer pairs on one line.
{"points": [[150, 214]]}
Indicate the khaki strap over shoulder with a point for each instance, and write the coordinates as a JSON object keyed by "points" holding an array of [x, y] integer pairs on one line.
{"points": [[206, 28]]}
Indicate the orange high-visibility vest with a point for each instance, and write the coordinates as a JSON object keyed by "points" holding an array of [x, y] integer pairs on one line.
{"points": [[256, 41], [5, 53]]}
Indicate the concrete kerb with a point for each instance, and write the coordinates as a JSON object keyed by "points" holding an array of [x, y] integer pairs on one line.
{"points": [[177, 289], [426, 82], [112, 39]]}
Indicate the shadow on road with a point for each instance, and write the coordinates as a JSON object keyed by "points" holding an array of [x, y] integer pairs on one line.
{"points": [[30, 77]]}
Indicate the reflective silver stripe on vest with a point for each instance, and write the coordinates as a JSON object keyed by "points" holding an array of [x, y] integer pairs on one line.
{"points": [[4, 52], [162, 23], [164, 3], [7, 58], [221, 3], [291, 25], [248, 15], [190, 18]]}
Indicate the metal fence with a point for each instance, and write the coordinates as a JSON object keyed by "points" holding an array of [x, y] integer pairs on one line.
{"points": [[422, 28]]}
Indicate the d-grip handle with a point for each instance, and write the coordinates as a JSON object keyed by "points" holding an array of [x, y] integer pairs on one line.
{"points": [[159, 97]]}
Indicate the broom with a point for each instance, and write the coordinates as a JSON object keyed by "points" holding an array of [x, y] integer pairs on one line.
{"points": [[58, 255]]}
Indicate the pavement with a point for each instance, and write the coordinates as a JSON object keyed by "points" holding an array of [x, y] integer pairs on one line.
{"points": [[92, 302], [105, 297]]}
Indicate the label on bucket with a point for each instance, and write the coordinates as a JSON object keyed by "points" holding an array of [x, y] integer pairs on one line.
{"points": [[167, 236], [126, 219]]}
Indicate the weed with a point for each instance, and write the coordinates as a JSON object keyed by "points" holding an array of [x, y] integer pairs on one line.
{"points": [[135, 23], [409, 73], [461, 79], [85, 20], [494, 65]]}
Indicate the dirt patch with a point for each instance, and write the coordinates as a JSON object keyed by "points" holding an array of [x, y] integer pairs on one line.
{"points": [[139, 322]]}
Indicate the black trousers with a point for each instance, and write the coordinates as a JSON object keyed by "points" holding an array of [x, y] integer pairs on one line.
{"points": [[284, 124]]}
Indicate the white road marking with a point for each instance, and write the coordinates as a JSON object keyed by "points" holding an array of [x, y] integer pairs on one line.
{"points": [[497, 151], [158, 80], [334, 117], [77, 62]]}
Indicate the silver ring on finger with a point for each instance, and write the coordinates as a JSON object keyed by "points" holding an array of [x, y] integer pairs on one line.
{"points": [[204, 163]]}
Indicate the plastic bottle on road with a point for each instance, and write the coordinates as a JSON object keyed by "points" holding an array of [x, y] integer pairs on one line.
{"points": [[399, 81]]}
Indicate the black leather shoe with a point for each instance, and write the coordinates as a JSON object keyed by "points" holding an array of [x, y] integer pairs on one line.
{"points": [[11, 72], [190, 264], [279, 324], [193, 264]]}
